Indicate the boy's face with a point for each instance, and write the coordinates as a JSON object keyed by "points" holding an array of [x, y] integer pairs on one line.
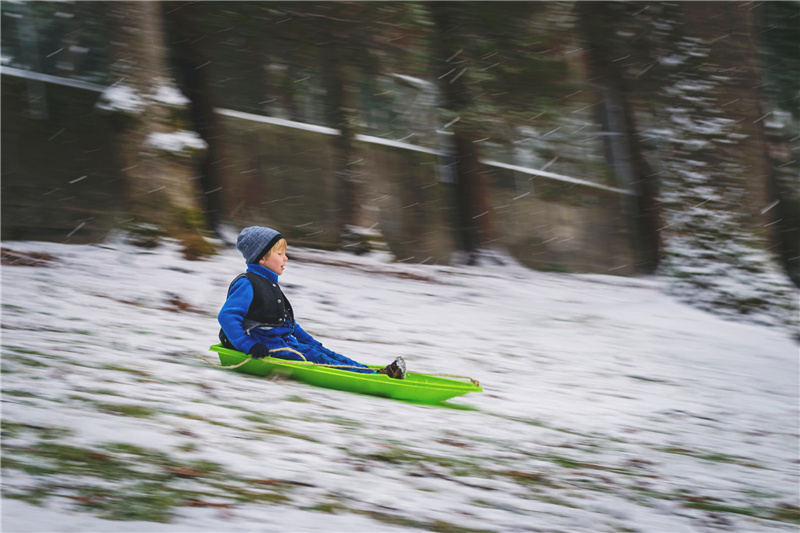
{"points": [[275, 261]]}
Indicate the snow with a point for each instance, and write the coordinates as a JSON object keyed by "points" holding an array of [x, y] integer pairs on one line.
{"points": [[181, 141], [607, 404], [168, 94], [123, 99]]}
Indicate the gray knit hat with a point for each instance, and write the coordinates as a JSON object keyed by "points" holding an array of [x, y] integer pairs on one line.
{"points": [[254, 242]]}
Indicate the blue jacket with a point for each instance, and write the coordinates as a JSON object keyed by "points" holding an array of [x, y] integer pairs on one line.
{"points": [[231, 318]]}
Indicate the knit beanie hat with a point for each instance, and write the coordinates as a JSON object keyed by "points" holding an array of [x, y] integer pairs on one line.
{"points": [[254, 242]]}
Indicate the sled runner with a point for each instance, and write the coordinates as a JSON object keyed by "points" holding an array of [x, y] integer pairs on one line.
{"points": [[418, 388]]}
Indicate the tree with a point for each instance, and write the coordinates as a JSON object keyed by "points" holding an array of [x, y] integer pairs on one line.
{"points": [[599, 23], [474, 226], [336, 23], [714, 184], [188, 49], [780, 55], [156, 159]]}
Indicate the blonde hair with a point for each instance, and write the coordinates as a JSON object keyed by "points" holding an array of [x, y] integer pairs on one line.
{"points": [[278, 247]]}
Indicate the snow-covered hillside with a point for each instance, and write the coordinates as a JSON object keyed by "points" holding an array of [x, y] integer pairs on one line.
{"points": [[607, 407]]}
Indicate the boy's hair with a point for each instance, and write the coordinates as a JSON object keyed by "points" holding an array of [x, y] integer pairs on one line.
{"points": [[278, 247]]}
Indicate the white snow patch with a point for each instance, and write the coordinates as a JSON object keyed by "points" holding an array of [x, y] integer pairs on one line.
{"points": [[182, 142], [121, 98], [167, 93]]}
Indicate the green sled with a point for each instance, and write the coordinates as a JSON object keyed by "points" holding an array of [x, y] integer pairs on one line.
{"points": [[417, 388]]}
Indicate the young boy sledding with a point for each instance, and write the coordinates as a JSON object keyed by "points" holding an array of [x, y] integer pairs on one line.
{"points": [[258, 320]]}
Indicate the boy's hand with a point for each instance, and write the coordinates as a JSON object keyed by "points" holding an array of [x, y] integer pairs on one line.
{"points": [[259, 351]]}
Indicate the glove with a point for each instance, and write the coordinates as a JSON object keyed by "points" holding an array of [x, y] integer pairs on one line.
{"points": [[259, 351]]}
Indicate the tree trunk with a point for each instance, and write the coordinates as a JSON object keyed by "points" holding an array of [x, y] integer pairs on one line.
{"points": [[339, 114], [615, 115], [474, 221], [159, 178], [715, 183], [190, 59]]}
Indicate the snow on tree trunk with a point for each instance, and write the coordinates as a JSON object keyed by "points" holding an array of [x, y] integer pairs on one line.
{"points": [[714, 184], [157, 159]]}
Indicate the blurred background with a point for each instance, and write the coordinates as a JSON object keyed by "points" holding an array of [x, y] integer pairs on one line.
{"points": [[629, 138]]}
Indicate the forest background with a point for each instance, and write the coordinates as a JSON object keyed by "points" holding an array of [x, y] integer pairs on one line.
{"points": [[690, 108]]}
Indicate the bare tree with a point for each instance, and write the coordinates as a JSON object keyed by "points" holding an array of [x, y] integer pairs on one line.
{"points": [[598, 23], [157, 160], [474, 224]]}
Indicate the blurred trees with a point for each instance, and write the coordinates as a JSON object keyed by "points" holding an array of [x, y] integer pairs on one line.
{"points": [[692, 105]]}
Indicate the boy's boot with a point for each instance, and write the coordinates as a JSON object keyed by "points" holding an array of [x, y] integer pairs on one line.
{"points": [[395, 370]]}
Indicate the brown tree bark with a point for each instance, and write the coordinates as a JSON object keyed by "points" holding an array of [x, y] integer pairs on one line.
{"points": [[623, 151], [337, 23], [190, 59], [474, 220], [161, 198]]}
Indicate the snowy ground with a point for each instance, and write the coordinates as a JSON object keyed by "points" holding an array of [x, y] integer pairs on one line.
{"points": [[608, 406]]}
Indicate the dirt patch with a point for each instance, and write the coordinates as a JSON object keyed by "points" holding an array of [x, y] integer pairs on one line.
{"points": [[35, 259]]}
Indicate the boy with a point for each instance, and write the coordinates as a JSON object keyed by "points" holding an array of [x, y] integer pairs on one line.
{"points": [[258, 320]]}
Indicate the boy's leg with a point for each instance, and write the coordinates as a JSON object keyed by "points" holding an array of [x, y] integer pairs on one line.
{"points": [[323, 356]]}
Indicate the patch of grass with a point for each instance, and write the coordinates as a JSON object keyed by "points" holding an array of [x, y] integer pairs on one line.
{"points": [[123, 448], [344, 422], [335, 505], [531, 479], [34, 495], [136, 483], [134, 371], [15, 429], [257, 418], [201, 418], [328, 507], [786, 513], [781, 512], [297, 399], [714, 457], [254, 494], [32, 362], [19, 394], [34, 469], [274, 430], [11, 429], [146, 501], [187, 447], [99, 392], [552, 500], [759, 494], [419, 464], [573, 464], [24, 351], [137, 411]]}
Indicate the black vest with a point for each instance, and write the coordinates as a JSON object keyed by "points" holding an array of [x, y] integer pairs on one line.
{"points": [[269, 308]]}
